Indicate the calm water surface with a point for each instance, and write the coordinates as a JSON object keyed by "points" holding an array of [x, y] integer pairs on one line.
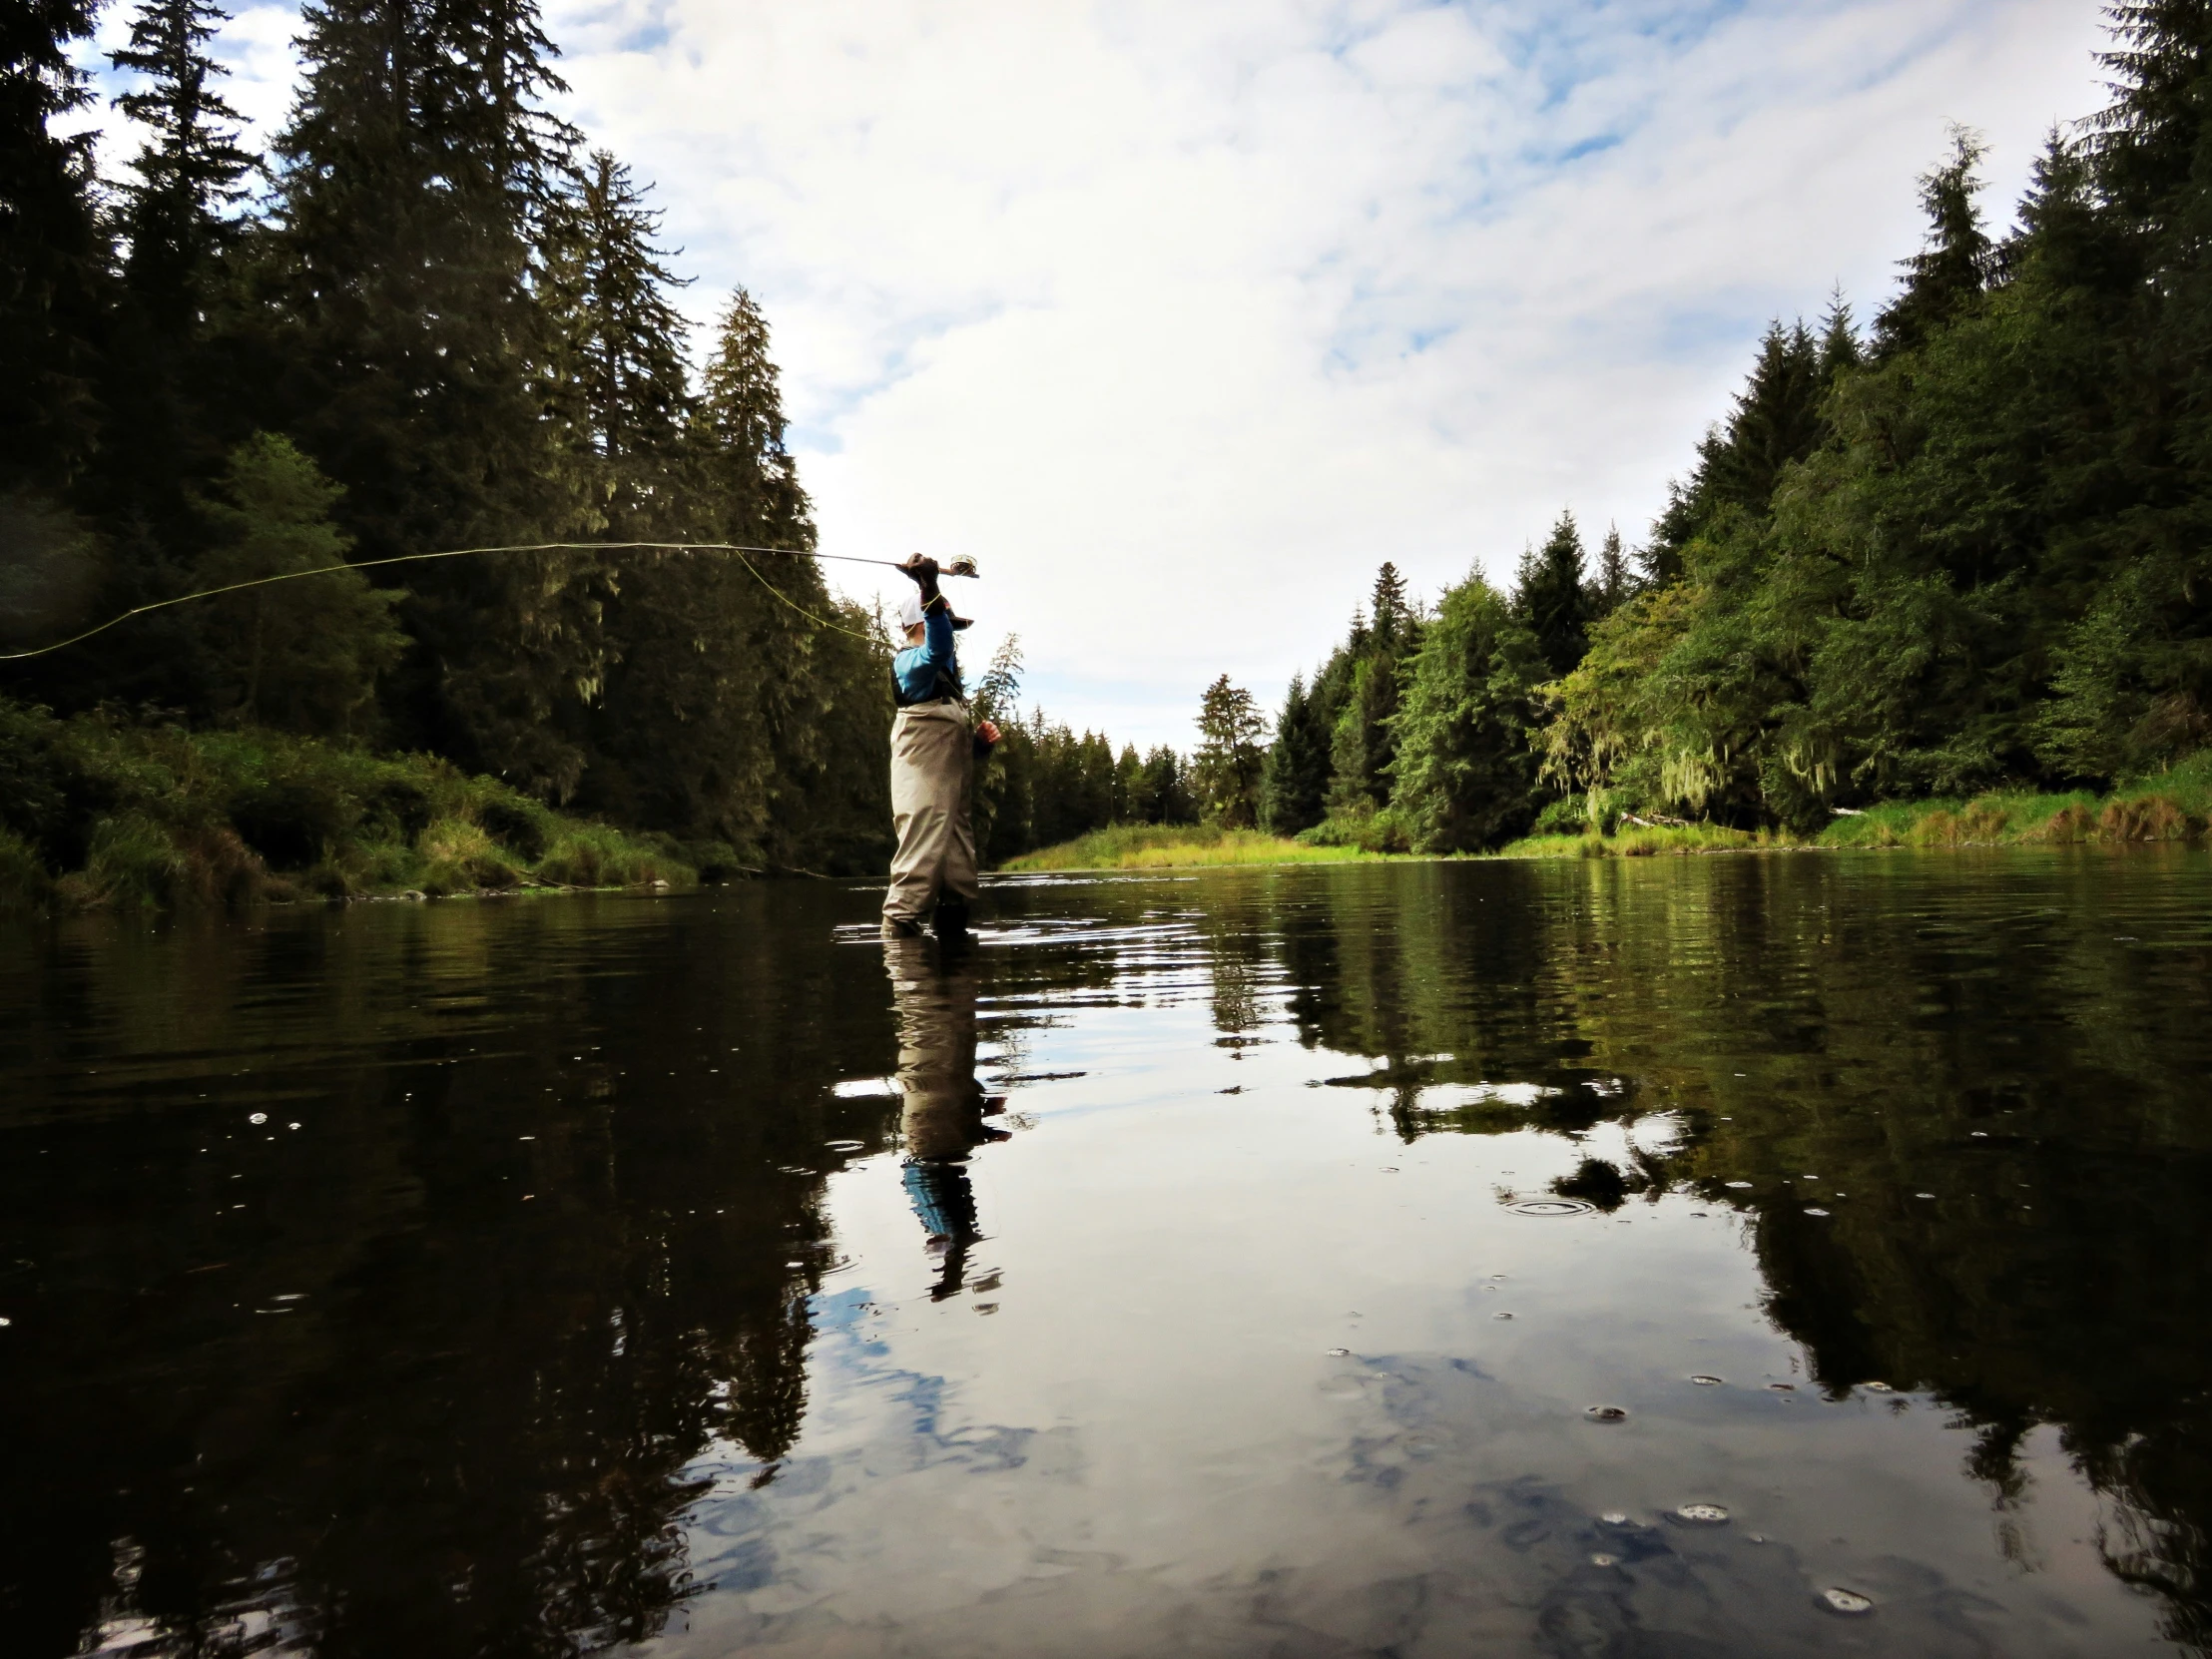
{"points": [[1224, 1265]]}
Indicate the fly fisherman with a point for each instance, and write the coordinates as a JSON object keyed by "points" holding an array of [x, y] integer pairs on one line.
{"points": [[934, 753]]}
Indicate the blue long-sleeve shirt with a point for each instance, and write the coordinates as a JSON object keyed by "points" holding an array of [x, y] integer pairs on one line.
{"points": [[916, 668]]}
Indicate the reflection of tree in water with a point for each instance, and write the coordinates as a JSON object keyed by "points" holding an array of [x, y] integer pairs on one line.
{"points": [[469, 1431], [1879, 1017], [2087, 1312], [471, 1434]]}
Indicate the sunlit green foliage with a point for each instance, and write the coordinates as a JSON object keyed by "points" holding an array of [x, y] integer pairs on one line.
{"points": [[1464, 766]]}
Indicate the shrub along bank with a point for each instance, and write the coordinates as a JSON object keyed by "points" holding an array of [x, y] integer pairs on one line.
{"points": [[103, 811], [2171, 805]]}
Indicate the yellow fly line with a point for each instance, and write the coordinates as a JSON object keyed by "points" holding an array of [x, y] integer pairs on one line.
{"points": [[465, 552]]}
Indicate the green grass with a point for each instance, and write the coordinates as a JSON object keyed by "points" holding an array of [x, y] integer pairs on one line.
{"points": [[2173, 806], [1634, 843], [100, 811], [2170, 806], [1178, 847]]}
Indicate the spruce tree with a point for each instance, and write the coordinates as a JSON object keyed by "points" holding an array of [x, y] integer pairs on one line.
{"points": [[53, 255], [1362, 743], [824, 703], [1952, 270], [1550, 598], [1167, 787], [1615, 582], [711, 722], [1659, 560], [1358, 694], [1776, 421], [1394, 616], [620, 333], [415, 171], [169, 386], [1296, 789], [1226, 767], [741, 434], [2067, 239], [1128, 786], [2148, 144], [1841, 348], [179, 211]]}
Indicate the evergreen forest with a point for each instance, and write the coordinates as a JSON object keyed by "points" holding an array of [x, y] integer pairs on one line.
{"points": [[1957, 547], [1962, 548], [433, 316]]}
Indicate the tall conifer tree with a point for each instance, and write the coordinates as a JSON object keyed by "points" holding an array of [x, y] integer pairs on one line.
{"points": [[1295, 789], [52, 257], [417, 167], [1363, 690], [1776, 420], [167, 387], [1227, 765], [189, 173], [620, 333], [1951, 271], [1614, 582], [1551, 599]]}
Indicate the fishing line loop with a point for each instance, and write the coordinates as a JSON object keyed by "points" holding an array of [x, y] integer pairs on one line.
{"points": [[465, 552]]}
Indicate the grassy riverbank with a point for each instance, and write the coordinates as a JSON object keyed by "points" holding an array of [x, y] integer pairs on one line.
{"points": [[1178, 847], [104, 811], [2171, 805]]}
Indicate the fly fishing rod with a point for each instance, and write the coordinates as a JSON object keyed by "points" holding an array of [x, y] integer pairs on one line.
{"points": [[957, 567]]}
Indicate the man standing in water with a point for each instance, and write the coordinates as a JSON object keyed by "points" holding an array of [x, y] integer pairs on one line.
{"points": [[933, 752]]}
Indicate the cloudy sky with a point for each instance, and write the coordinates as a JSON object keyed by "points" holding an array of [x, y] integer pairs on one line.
{"points": [[1180, 316]]}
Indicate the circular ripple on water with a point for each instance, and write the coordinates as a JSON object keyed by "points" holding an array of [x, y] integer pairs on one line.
{"points": [[1552, 1207]]}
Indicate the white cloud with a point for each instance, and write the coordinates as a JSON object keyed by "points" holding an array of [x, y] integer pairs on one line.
{"points": [[1182, 315]]}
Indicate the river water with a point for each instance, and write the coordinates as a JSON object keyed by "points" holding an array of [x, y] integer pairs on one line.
{"points": [[1223, 1264]]}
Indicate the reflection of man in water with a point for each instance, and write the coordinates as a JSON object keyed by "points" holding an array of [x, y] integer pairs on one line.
{"points": [[944, 1105]]}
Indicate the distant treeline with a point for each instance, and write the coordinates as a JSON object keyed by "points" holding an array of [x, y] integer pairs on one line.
{"points": [[1047, 785], [1970, 547], [430, 317]]}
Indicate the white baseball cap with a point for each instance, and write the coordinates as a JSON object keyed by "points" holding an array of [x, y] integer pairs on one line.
{"points": [[910, 614]]}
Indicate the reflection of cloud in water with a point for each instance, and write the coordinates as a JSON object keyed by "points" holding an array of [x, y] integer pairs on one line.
{"points": [[1418, 1558]]}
